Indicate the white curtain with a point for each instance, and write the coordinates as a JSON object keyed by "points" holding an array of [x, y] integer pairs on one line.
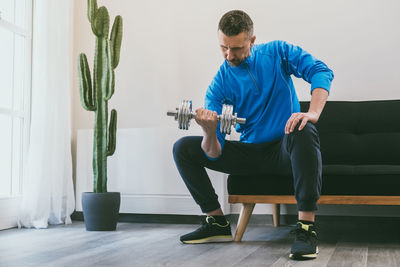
{"points": [[48, 195]]}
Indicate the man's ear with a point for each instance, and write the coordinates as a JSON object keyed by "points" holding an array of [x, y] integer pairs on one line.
{"points": [[252, 40]]}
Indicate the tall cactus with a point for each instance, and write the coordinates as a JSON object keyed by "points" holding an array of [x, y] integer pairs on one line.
{"points": [[95, 96]]}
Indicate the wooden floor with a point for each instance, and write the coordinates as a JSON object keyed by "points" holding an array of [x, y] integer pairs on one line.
{"points": [[141, 244]]}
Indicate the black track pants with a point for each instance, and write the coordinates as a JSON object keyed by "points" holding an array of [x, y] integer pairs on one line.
{"points": [[296, 154]]}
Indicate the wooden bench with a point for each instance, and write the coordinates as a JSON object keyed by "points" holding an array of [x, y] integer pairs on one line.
{"points": [[249, 201]]}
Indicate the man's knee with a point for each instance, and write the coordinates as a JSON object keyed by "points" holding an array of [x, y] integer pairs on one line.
{"points": [[309, 128], [309, 132], [185, 144], [303, 141], [179, 146]]}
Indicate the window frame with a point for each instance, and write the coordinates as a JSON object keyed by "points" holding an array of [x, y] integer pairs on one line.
{"points": [[14, 197]]}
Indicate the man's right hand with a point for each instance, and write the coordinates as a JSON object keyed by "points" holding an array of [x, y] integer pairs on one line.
{"points": [[207, 119]]}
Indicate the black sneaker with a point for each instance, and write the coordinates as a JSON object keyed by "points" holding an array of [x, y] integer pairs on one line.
{"points": [[305, 243], [210, 231]]}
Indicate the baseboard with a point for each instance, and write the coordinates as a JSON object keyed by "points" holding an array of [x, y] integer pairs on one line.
{"points": [[9, 207], [256, 219], [187, 219], [149, 218]]}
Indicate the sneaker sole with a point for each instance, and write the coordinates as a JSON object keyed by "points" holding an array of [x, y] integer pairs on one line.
{"points": [[211, 239], [304, 257]]}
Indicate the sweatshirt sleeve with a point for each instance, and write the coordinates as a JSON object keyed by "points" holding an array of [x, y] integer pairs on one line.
{"points": [[213, 101], [301, 64]]}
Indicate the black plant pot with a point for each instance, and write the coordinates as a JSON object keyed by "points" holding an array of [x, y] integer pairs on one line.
{"points": [[100, 210]]}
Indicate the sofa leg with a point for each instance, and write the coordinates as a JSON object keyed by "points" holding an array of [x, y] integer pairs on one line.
{"points": [[245, 213], [276, 212]]}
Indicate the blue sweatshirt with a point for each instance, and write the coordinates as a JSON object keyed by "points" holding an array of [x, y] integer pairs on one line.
{"points": [[261, 89]]}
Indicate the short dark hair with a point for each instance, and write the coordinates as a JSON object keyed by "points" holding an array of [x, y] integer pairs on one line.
{"points": [[234, 22]]}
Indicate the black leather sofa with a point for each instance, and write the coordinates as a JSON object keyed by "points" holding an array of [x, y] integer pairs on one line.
{"points": [[360, 147]]}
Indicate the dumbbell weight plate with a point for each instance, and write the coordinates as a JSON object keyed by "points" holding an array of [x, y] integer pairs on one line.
{"points": [[184, 114]]}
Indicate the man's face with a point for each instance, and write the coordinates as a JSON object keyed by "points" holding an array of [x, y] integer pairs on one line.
{"points": [[235, 49]]}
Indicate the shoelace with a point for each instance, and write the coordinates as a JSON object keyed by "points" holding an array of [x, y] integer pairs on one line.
{"points": [[206, 225], [301, 234]]}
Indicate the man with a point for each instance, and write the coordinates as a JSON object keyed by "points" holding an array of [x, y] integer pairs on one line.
{"points": [[277, 137]]}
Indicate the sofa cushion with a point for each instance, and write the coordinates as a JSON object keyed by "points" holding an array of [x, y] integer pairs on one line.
{"points": [[359, 133], [336, 183]]}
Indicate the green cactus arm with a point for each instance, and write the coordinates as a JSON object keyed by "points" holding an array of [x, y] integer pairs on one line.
{"points": [[115, 40], [92, 8], [92, 12], [112, 82], [110, 74], [112, 133], [85, 84], [93, 26], [101, 22]]}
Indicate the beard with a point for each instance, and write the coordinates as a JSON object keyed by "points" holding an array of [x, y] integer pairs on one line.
{"points": [[235, 62]]}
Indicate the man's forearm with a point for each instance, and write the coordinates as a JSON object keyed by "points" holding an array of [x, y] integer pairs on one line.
{"points": [[211, 146], [318, 100]]}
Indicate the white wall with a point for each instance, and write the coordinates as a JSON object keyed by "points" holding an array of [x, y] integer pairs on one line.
{"points": [[170, 52]]}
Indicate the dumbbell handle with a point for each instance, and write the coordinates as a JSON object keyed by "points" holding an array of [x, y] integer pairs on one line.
{"points": [[192, 115]]}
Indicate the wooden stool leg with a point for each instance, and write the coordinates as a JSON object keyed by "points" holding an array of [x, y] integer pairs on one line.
{"points": [[276, 212], [245, 213]]}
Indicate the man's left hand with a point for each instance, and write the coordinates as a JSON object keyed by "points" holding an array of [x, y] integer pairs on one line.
{"points": [[300, 116]]}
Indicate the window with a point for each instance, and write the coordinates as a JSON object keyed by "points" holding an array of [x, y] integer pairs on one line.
{"points": [[15, 76]]}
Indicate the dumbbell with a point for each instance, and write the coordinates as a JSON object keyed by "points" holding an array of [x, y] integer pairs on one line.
{"points": [[184, 114]]}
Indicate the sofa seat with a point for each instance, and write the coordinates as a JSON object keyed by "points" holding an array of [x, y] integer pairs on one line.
{"points": [[372, 180]]}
